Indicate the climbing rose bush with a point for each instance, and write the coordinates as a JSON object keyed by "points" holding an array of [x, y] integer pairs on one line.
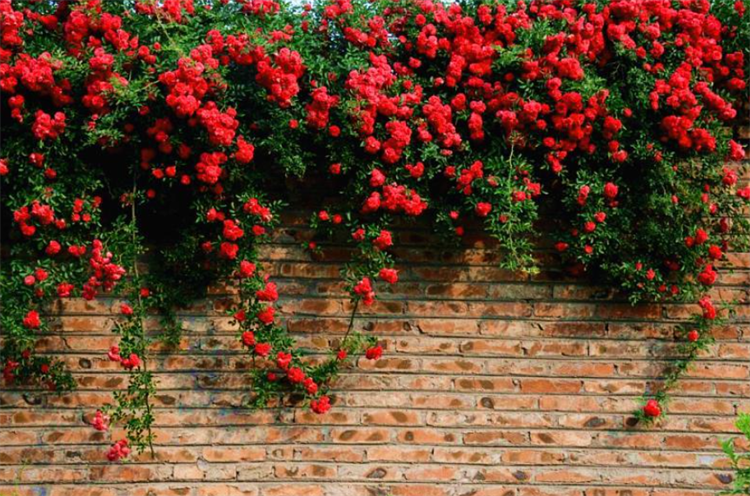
{"points": [[170, 124]]}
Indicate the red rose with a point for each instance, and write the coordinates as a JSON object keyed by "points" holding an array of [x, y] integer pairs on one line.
{"points": [[693, 335], [118, 450], [64, 289], [310, 386], [730, 177], [248, 338], [415, 170], [736, 152], [32, 321], [320, 406], [228, 250], [652, 409], [701, 236], [715, 252], [708, 276], [283, 360], [709, 311], [245, 151], [232, 231], [377, 178], [266, 315], [114, 354], [262, 349], [610, 191], [247, 269], [364, 290], [389, 275], [295, 375], [269, 293], [131, 362], [100, 421], [570, 68], [53, 248], [374, 353], [358, 235], [483, 209], [372, 145], [383, 240], [372, 204], [739, 7]]}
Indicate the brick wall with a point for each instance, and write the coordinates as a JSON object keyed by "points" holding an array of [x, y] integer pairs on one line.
{"points": [[492, 384]]}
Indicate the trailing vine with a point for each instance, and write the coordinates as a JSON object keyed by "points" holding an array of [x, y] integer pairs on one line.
{"points": [[693, 338], [609, 120], [740, 460], [132, 406]]}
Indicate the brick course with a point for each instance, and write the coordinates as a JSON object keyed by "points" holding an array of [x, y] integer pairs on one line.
{"points": [[492, 384]]}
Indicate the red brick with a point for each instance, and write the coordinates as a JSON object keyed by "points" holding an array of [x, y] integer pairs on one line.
{"points": [[292, 490], [492, 384], [233, 454]]}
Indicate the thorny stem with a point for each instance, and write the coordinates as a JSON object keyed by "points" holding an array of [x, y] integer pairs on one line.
{"points": [[673, 372], [351, 321], [242, 299], [346, 335], [677, 369]]}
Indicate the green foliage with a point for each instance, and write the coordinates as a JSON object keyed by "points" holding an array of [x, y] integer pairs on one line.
{"points": [[740, 461]]}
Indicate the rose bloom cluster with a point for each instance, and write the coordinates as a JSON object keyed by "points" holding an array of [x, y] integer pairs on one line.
{"points": [[615, 116]]}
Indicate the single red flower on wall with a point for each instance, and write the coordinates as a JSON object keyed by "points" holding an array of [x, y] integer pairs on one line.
{"points": [[320, 405], [374, 353], [389, 275], [652, 409]]}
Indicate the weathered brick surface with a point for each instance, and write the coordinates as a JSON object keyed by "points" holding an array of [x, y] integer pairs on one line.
{"points": [[493, 384]]}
